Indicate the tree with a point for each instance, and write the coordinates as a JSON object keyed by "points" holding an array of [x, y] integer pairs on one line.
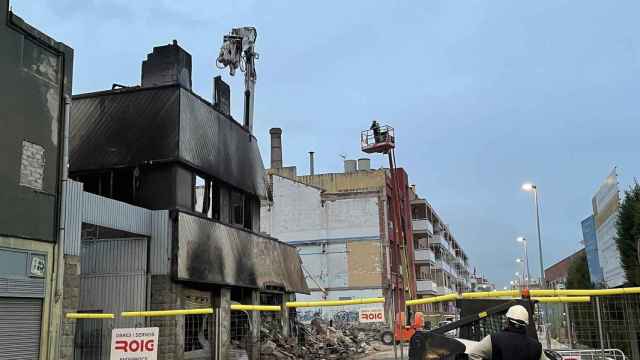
{"points": [[578, 275], [628, 234]]}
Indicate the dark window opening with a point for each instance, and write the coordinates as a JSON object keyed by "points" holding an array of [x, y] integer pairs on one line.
{"points": [[248, 218], [119, 184], [215, 201], [236, 208]]}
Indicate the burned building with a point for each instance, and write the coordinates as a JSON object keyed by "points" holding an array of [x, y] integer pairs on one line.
{"points": [[36, 78], [193, 178]]}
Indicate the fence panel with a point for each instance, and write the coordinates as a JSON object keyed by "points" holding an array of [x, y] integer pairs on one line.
{"points": [[92, 339], [576, 325]]}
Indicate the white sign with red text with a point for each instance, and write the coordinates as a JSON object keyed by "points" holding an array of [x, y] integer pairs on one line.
{"points": [[371, 315], [134, 343]]}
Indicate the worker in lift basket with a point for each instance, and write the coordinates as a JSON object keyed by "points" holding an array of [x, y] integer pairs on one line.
{"points": [[512, 343]]}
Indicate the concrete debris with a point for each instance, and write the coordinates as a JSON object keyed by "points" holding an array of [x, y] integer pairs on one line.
{"points": [[319, 341]]}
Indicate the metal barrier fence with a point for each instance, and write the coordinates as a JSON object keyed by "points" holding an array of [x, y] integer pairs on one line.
{"points": [[90, 341], [607, 322], [606, 354], [333, 328]]}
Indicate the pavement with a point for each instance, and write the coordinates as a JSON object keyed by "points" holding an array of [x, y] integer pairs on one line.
{"points": [[388, 354]]}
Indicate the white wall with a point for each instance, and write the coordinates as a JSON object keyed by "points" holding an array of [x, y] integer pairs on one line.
{"points": [[328, 268], [608, 253], [298, 214], [320, 230]]}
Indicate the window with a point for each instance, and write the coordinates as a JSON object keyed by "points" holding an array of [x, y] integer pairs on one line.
{"points": [[207, 197], [200, 194], [215, 200], [248, 220], [237, 208]]}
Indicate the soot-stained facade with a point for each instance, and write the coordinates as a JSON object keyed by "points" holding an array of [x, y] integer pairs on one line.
{"points": [[35, 79], [160, 146]]}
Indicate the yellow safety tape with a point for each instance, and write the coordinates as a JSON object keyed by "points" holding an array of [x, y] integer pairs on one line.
{"points": [[89, 316], [491, 294], [255, 307], [562, 299], [297, 304], [166, 312], [592, 292], [434, 299]]}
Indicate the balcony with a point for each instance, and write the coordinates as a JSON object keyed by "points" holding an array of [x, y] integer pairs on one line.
{"points": [[209, 252], [426, 287], [442, 265], [422, 226], [439, 240], [424, 255]]}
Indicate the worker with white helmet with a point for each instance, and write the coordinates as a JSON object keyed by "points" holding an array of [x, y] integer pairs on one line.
{"points": [[512, 343]]}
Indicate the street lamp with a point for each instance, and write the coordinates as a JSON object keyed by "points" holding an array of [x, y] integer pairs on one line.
{"points": [[523, 241], [529, 187], [524, 271]]}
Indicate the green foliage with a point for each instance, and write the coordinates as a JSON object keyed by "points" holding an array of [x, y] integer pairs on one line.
{"points": [[628, 234], [578, 275]]}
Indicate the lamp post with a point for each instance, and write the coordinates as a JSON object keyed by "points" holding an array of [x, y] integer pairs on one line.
{"points": [[529, 187], [526, 258], [524, 272]]}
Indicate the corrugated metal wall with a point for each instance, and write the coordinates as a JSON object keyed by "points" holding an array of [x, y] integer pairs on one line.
{"points": [[115, 214], [215, 253], [219, 145], [160, 247], [93, 209], [113, 276], [73, 195]]}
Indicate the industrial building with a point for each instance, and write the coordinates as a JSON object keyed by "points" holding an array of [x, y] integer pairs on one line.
{"points": [[36, 73], [166, 197], [340, 224]]}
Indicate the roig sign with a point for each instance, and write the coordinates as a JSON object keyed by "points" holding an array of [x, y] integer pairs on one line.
{"points": [[371, 315], [134, 344]]}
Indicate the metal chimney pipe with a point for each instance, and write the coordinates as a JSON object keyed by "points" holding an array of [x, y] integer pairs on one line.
{"points": [[276, 148], [311, 169]]}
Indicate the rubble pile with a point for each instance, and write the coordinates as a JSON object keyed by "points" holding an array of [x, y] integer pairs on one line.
{"points": [[317, 341]]}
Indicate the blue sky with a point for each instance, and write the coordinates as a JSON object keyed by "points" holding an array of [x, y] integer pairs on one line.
{"points": [[484, 95]]}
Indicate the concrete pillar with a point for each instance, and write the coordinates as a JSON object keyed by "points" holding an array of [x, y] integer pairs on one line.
{"points": [[284, 316], [254, 318], [70, 303], [222, 302], [164, 296]]}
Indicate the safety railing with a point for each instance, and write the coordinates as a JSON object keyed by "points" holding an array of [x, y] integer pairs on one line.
{"points": [[606, 354]]}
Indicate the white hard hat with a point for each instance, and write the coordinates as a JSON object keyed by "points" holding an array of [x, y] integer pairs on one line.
{"points": [[519, 314]]}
